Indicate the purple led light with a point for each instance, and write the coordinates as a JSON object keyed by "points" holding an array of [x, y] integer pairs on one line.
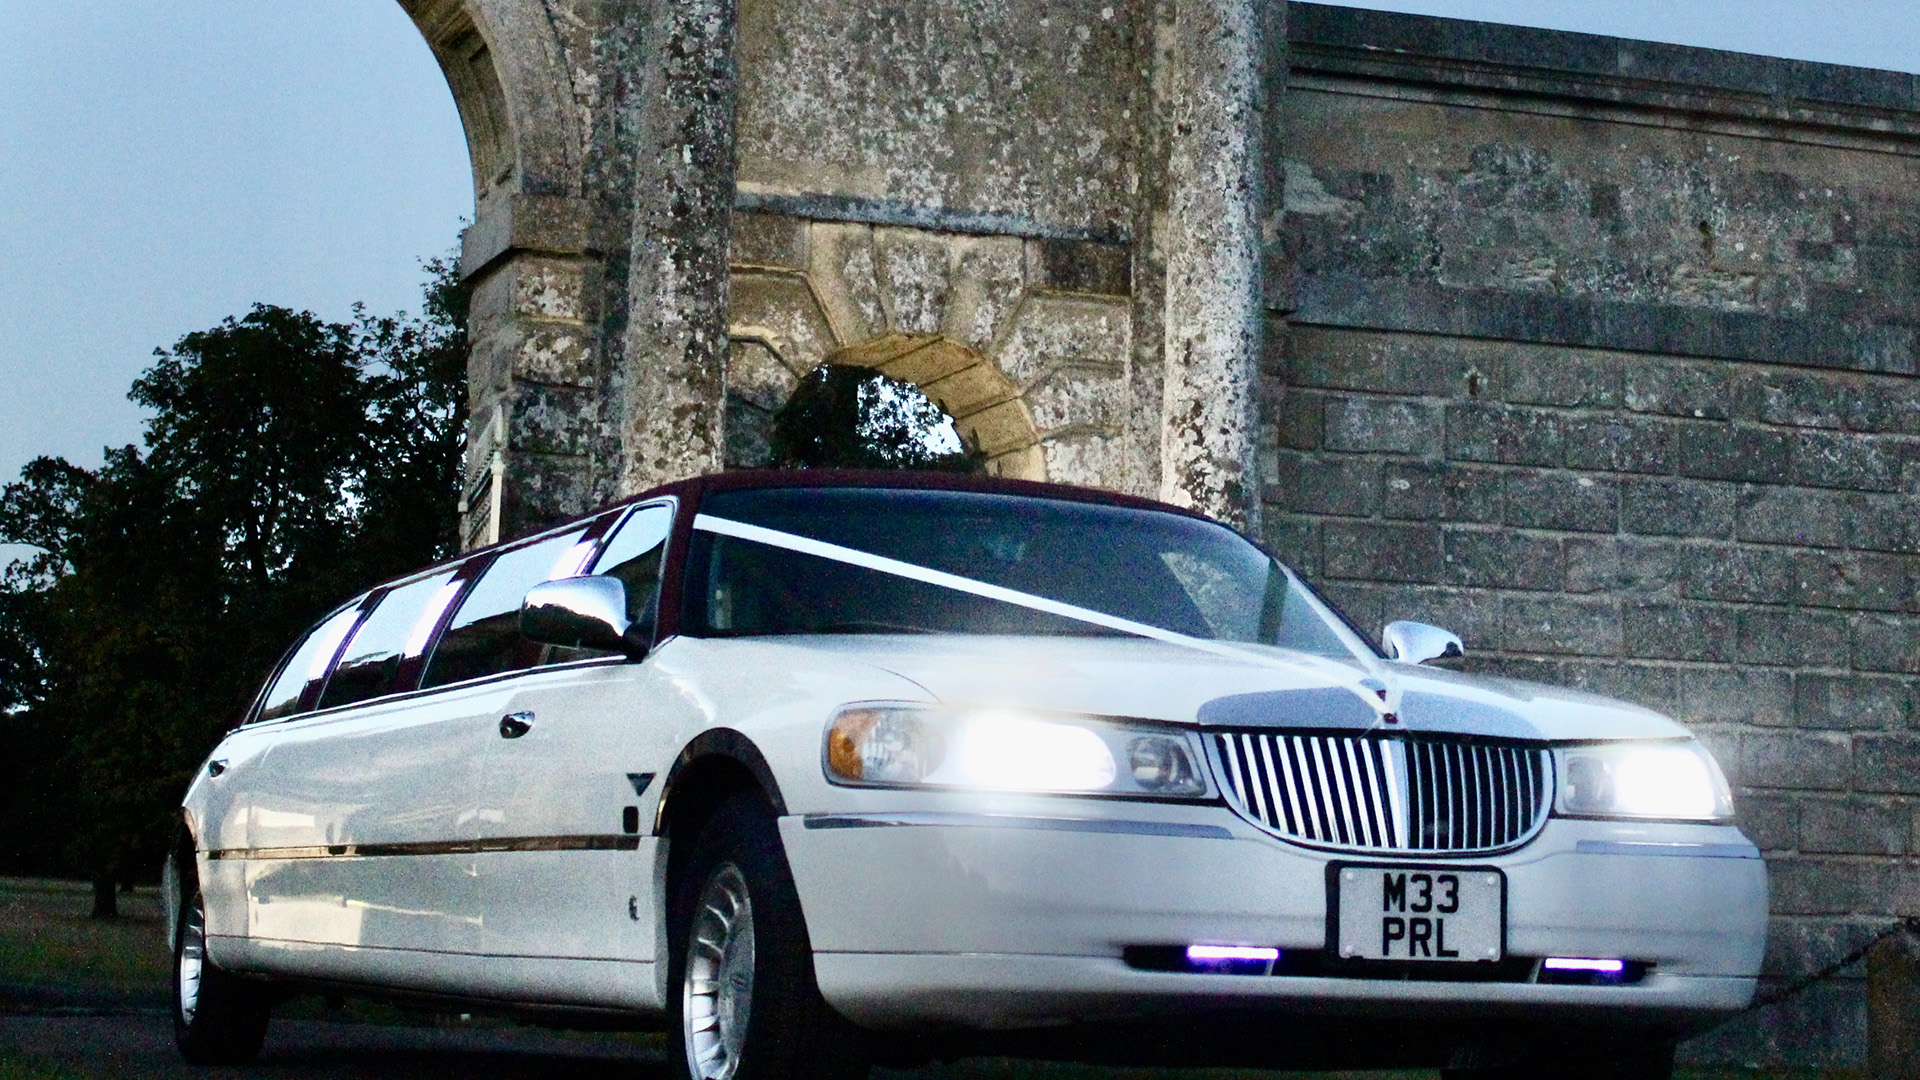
{"points": [[1199, 954], [1574, 963]]}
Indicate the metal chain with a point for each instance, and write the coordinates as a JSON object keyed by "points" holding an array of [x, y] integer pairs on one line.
{"points": [[1909, 925]]}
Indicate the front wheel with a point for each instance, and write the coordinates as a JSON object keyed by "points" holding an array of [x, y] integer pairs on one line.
{"points": [[749, 1006], [218, 1019]]}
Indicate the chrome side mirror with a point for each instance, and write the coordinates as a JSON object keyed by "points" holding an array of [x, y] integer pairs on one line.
{"points": [[588, 612], [1417, 642]]}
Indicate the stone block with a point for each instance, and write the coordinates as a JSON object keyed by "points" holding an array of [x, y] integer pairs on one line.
{"points": [[1567, 378], [1819, 886], [1855, 581], [1562, 625], [1792, 637], [1795, 399], [1715, 451], [1382, 551], [556, 356], [1340, 484], [779, 310], [1627, 444], [1735, 695], [770, 240], [1808, 517], [1890, 405], [1625, 564], [1363, 605], [1802, 760], [1564, 501], [1664, 631], [1849, 701], [549, 290], [1886, 643], [1885, 523], [1740, 572], [1677, 389], [1295, 538], [1442, 491], [1664, 507], [1508, 436], [1655, 686], [1503, 559], [1887, 763], [1368, 424], [547, 420], [1080, 266], [1846, 460], [1302, 420], [1772, 822], [1854, 827]]}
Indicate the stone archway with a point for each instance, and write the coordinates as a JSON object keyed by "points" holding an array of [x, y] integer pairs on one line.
{"points": [[533, 323], [1033, 373]]}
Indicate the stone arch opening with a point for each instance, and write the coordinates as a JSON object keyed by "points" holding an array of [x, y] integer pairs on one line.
{"points": [[987, 408]]}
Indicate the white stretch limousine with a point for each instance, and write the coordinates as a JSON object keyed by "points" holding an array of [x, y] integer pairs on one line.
{"points": [[820, 769]]}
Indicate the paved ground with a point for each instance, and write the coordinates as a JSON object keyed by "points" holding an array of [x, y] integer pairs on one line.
{"points": [[140, 1047]]}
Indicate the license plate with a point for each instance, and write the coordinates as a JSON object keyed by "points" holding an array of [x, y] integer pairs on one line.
{"points": [[1419, 913]]}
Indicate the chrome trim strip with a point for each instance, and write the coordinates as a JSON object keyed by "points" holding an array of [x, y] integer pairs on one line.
{"points": [[1010, 821], [1680, 850], [434, 847]]}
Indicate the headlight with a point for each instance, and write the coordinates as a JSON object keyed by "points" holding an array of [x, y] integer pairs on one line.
{"points": [[1004, 750], [1674, 780]]}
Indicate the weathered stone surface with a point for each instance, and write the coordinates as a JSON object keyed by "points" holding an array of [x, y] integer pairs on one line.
{"points": [[1601, 352]]}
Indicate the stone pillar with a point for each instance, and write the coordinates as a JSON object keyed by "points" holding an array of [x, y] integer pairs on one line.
{"points": [[532, 401], [1208, 81], [670, 380]]}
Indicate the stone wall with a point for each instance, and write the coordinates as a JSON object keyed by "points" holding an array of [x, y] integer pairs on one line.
{"points": [[1601, 354]]}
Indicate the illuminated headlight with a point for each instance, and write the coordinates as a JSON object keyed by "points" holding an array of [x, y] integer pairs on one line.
{"points": [[1673, 780], [1004, 750]]}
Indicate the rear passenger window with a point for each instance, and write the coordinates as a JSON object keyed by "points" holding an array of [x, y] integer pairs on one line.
{"points": [[308, 662], [398, 629], [633, 556], [484, 637]]}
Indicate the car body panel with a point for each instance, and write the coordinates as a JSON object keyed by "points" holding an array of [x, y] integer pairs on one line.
{"points": [[925, 907]]}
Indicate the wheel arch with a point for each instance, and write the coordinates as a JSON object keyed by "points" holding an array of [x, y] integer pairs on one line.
{"points": [[716, 763]]}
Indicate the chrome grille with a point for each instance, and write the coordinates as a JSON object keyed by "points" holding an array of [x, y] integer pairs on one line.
{"points": [[1369, 793]]}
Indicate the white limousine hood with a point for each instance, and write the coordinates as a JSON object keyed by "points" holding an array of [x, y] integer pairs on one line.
{"points": [[1134, 677]]}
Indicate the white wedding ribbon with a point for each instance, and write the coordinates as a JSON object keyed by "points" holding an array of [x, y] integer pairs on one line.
{"points": [[913, 572]]}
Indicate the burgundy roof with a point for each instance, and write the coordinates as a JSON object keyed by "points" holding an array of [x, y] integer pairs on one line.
{"points": [[747, 479]]}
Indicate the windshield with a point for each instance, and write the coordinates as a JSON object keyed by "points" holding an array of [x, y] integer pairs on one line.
{"points": [[1167, 571]]}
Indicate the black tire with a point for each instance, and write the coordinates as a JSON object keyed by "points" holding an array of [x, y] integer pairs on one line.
{"points": [[218, 1018], [739, 947]]}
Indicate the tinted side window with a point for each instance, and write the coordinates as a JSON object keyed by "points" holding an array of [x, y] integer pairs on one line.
{"points": [[397, 629], [308, 662], [484, 637], [634, 555]]}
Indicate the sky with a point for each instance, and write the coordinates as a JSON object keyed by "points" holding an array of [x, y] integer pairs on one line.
{"points": [[167, 163]]}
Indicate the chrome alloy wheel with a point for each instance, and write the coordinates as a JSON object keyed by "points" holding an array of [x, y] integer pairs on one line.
{"points": [[716, 999], [193, 958]]}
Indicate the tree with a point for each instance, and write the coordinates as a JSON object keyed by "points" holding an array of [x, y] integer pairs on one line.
{"points": [[287, 463], [845, 417]]}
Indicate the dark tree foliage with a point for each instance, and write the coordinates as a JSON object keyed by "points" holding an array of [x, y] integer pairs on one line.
{"points": [[287, 462], [844, 417]]}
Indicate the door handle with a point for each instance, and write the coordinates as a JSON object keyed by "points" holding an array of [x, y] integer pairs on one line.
{"points": [[216, 766], [515, 724]]}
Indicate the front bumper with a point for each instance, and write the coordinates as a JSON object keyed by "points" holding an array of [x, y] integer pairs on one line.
{"points": [[1019, 916]]}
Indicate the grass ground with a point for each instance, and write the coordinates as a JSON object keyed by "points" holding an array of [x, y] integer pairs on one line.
{"points": [[46, 939], [48, 943]]}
